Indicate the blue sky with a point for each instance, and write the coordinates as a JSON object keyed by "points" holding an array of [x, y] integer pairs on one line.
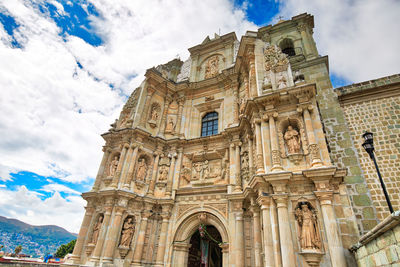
{"points": [[68, 66]]}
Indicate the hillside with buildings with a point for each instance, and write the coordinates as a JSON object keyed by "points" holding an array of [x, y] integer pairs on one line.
{"points": [[35, 240]]}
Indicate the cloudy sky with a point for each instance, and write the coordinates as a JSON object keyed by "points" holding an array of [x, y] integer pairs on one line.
{"points": [[67, 67]]}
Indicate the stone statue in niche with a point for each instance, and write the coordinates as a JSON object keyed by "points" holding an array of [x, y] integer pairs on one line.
{"points": [[292, 140], [113, 167], [212, 67], [96, 230], [307, 220], [170, 125], [141, 170], [163, 173], [127, 232], [154, 115], [245, 165]]}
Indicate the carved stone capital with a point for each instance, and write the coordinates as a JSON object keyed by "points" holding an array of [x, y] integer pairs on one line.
{"points": [[281, 200], [264, 201], [324, 197], [302, 27], [257, 120]]}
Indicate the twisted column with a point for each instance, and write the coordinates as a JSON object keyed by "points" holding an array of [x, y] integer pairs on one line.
{"points": [[100, 172], [121, 161], [76, 254], [260, 159]]}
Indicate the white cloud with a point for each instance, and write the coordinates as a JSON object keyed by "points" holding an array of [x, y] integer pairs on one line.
{"points": [[54, 112], [361, 37], [26, 206], [59, 188]]}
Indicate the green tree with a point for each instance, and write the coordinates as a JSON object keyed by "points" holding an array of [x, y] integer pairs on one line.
{"points": [[64, 249], [18, 249]]}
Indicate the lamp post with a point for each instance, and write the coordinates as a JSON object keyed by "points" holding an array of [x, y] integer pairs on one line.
{"points": [[368, 145]]}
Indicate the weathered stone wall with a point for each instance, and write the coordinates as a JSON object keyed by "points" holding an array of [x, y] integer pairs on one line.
{"points": [[381, 246], [369, 107]]}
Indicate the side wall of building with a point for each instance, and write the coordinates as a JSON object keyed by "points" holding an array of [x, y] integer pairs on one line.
{"points": [[375, 106]]}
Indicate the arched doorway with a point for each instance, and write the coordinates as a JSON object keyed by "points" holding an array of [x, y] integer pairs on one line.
{"points": [[205, 250]]}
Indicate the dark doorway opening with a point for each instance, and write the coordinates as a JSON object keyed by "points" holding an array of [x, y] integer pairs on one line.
{"points": [[205, 251]]}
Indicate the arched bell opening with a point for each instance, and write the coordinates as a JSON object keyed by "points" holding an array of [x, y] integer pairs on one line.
{"points": [[205, 249]]}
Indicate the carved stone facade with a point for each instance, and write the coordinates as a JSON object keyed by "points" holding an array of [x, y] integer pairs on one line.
{"points": [[266, 184]]}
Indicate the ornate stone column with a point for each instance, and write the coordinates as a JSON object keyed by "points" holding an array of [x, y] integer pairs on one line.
{"points": [[235, 104], [238, 180], [100, 240], [127, 180], [121, 161], [154, 174], [171, 174], [239, 233], [257, 235], [266, 141], [126, 166], [331, 228], [100, 173], [276, 158], [251, 154], [163, 123], [252, 74], [275, 233], [76, 254], [163, 236], [260, 159], [145, 114], [269, 260], [232, 168], [288, 257], [181, 102], [312, 146], [113, 234], [175, 183], [137, 255]]}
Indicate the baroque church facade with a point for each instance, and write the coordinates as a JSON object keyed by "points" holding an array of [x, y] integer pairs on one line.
{"points": [[243, 155]]}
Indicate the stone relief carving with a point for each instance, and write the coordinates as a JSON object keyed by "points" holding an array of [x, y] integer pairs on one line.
{"points": [[308, 227], [275, 60], [163, 173], [244, 169], [154, 114], [292, 140], [196, 171], [212, 67], [96, 229], [281, 81], [185, 70], [127, 232], [185, 176]]}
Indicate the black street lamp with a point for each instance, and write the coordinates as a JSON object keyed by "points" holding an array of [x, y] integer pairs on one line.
{"points": [[368, 145]]}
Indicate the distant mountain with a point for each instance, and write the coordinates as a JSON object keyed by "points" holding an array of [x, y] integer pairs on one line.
{"points": [[35, 240]]}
